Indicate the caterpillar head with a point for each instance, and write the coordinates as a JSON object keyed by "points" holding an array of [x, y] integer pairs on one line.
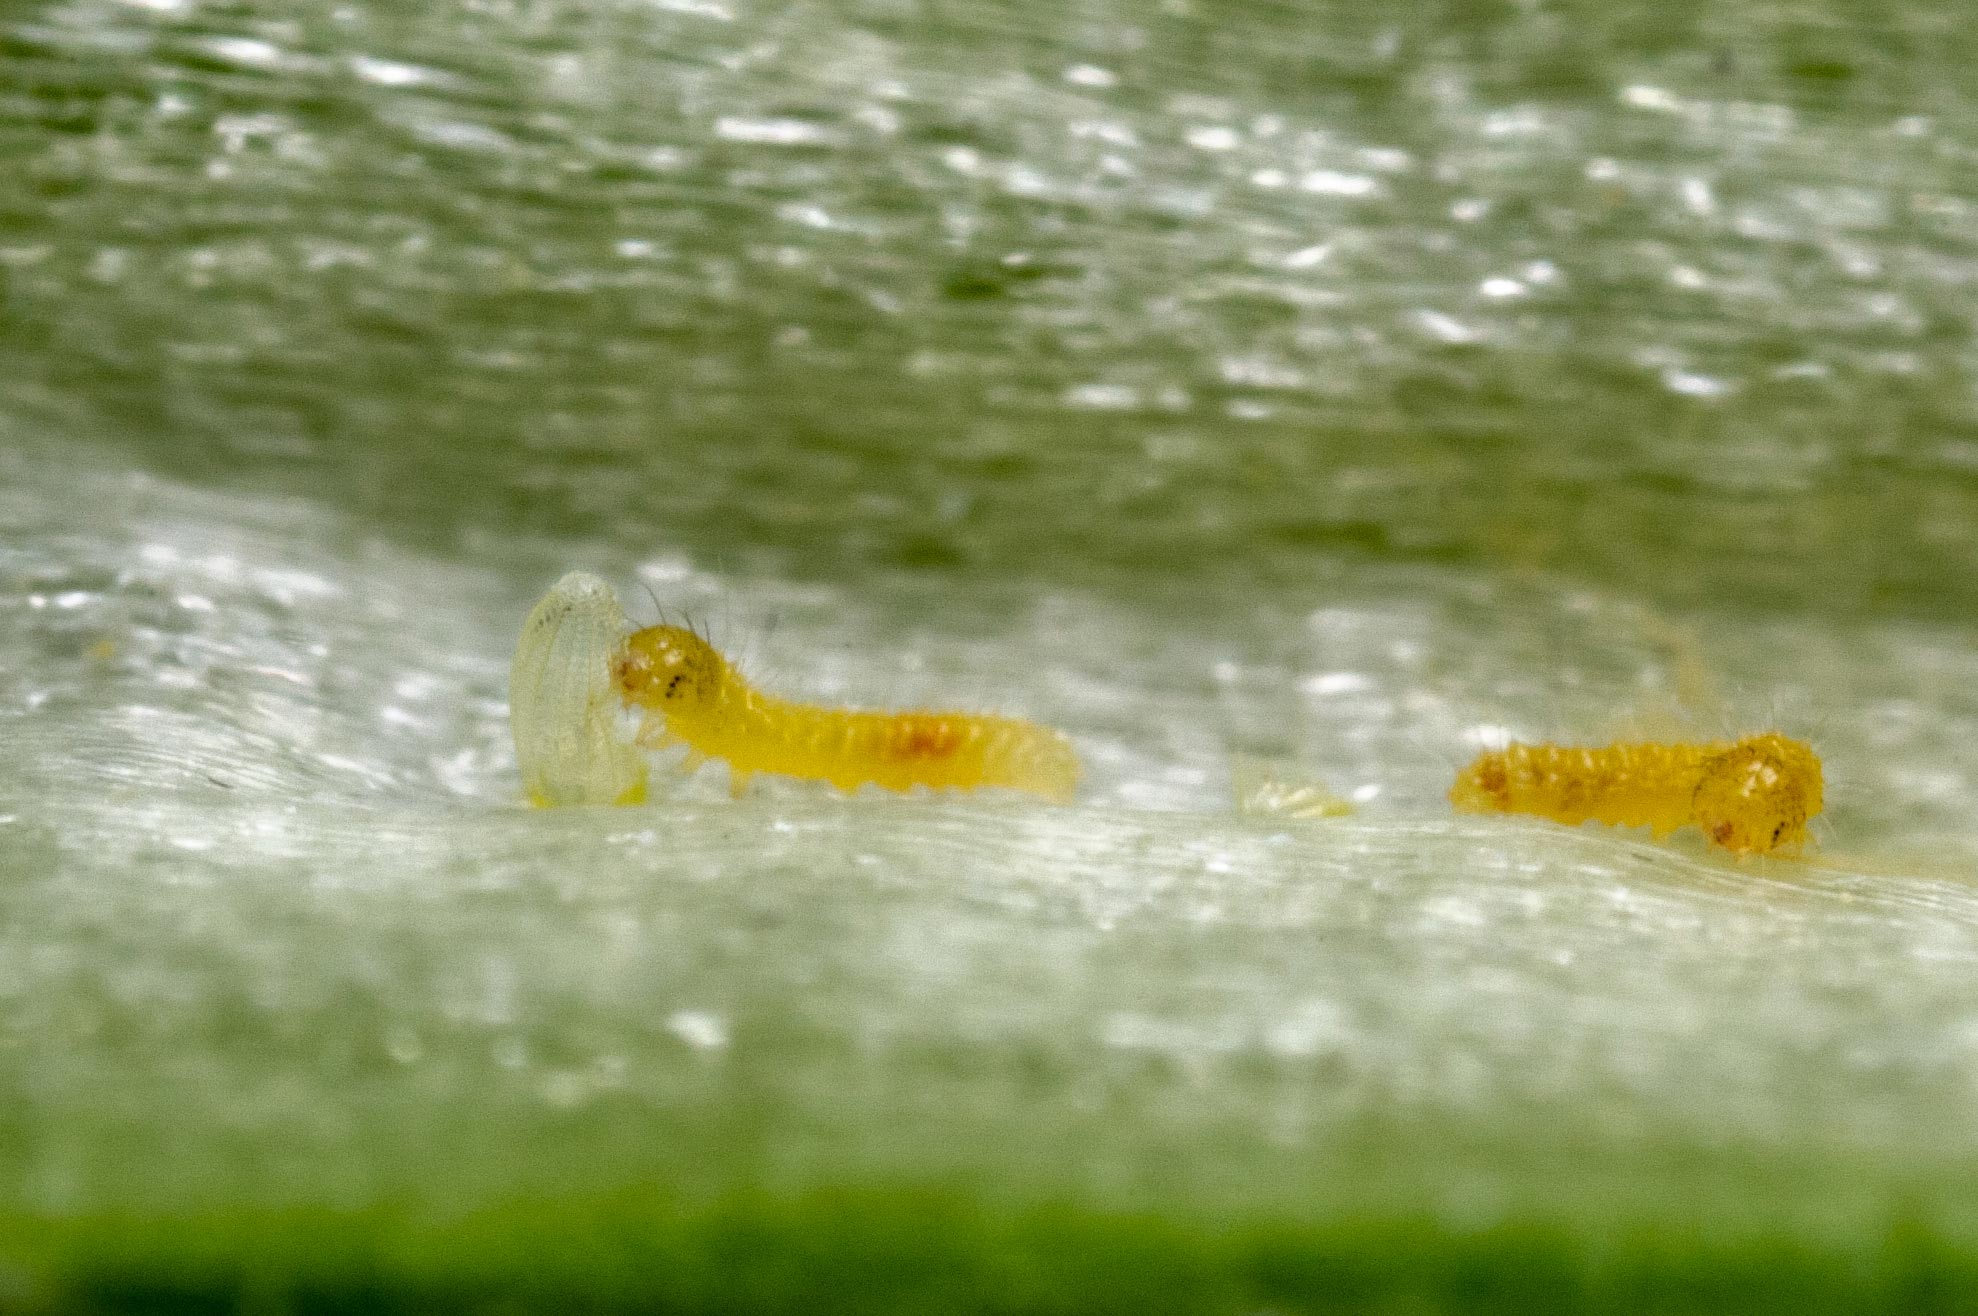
{"points": [[1756, 796], [668, 669]]}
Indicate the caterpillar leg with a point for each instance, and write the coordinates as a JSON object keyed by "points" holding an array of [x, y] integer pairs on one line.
{"points": [[654, 735], [738, 783]]}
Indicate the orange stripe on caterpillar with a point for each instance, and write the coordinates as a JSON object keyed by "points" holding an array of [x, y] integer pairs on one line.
{"points": [[1750, 796], [692, 695]]}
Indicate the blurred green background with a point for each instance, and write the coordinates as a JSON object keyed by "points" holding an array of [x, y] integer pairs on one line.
{"points": [[1344, 386]]}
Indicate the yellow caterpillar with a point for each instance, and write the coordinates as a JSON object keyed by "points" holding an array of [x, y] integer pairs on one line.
{"points": [[580, 670], [1751, 796], [691, 695]]}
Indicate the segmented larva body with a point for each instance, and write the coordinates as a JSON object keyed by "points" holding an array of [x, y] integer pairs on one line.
{"points": [[691, 695], [1750, 796]]}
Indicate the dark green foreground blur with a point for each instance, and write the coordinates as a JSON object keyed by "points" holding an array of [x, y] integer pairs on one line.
{"points": [[1337, 387]]}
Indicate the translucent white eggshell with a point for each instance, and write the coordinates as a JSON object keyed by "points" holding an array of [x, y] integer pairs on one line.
{"points": [[562, 706]]}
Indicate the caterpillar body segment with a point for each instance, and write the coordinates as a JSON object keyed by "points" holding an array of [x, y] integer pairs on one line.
{"points": [[1751, 796], [691, 695], [1637, 785]]}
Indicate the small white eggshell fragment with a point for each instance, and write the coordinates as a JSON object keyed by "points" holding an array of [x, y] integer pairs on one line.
{"points": [[562, 706]]}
